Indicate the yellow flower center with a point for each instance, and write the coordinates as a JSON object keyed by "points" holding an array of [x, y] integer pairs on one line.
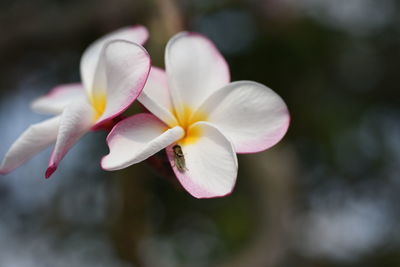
{"points": [[98, 101], [186, 118]]}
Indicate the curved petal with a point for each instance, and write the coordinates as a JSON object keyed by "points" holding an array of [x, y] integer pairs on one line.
{"points": [[195, 69], [156, 96], [58, 98], [34, 139], [210, 163], [126, 67], [76, 120], [137, 138], [249, 114], [90, 58]]}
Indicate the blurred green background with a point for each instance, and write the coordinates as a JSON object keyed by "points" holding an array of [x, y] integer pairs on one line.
{"points": [[326, 195]]}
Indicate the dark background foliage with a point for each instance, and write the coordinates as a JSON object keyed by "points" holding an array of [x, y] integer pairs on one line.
{"points": [[327, 195]]}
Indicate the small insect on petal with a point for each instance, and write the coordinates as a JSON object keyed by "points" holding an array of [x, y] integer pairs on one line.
{"points": [[179, 158]]}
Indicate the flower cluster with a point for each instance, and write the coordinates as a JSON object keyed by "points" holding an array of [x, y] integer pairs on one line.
{"points": [[196, 114]]}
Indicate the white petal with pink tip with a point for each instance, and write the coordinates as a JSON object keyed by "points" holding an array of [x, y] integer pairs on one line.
{"points": [[76, 120], [126, 66], [211, 164], [137, 138], [57, 99], [90, 58], [195, 69], [34, 139], [249, 114]]}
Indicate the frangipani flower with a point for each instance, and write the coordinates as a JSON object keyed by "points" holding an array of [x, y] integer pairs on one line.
{"points": [[114, 70], [201, 119]]}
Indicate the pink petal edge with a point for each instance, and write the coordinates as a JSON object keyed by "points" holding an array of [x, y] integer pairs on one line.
{"points": [[141, 27], [114, 131], [215, 51], [98, 124], [192, 188], [267, 145], [50, 170]]}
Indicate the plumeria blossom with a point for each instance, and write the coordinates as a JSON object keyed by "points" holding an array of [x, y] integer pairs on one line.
{"points": [[114, 70], [200, 117]]}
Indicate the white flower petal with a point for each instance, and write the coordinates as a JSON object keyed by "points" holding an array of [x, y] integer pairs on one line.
{"points": [[249, 114], [137, 138], [34, 139], [195, 69], [126, 66], [58, 98], [90, 58], [156, 96], [76, 119], [210, 163]]}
